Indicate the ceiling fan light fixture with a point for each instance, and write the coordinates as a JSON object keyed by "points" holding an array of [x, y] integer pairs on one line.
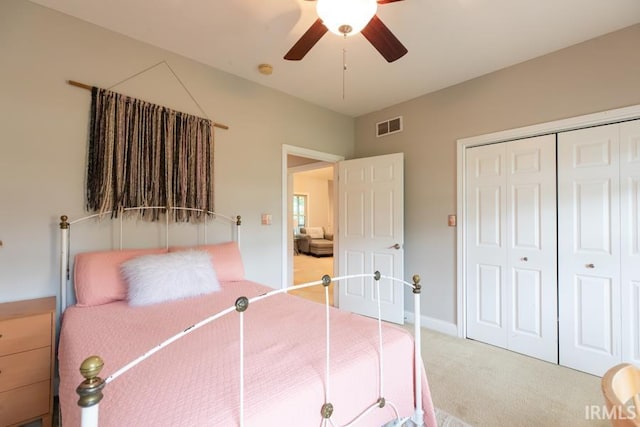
{"points": [[346, 17]]}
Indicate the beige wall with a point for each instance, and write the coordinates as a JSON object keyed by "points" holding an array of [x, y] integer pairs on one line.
{"points": [[600, 74], [319, 199], [43, 137]]}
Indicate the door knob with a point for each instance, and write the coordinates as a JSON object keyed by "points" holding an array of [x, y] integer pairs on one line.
{"points": [[590, 266], [524, 259], [396, 246]]}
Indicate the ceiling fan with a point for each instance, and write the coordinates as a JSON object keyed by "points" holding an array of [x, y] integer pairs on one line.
{"points": [[358, 16]]}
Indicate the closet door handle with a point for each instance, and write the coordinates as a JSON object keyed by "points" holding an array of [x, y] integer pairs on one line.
{"points": [[590, 266], [524, 259], [396, 246]]}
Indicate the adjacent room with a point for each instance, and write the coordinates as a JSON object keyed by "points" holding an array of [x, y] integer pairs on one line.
{"points": [[169, 169], [313, 214]]}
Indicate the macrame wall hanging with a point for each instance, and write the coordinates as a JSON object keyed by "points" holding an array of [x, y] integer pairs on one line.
{"points": [[143, 154]]}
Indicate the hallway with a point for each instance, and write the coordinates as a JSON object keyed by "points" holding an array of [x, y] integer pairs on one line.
{"points": [[307, 268]]}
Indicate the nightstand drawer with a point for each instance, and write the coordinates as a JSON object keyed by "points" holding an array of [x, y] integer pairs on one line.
{"points": [[25, 368], [25, 402], [25, 333]]}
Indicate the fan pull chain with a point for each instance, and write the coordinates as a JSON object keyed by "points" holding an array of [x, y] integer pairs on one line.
{"points": [[344, 71]]}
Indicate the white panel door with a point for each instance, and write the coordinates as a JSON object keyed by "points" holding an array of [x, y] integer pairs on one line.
{"points": [[511, 246], [371, 234], [630, 239], [531, 248], [486, 247], [589, 248]]}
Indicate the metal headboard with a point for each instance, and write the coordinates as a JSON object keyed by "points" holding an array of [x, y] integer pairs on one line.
{"points": [[65, 226]]}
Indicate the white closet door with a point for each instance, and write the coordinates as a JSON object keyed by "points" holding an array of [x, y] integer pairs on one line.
{"points": [[630, 239], [589, 248], [486, 246], [511, 246], [531, 247]]}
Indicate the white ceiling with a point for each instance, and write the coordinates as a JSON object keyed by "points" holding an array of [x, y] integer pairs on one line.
{"points": [[324, 173], [449, 41]]}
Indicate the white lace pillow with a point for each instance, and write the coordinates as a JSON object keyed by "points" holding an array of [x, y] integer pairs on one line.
{"points": [[157, 278]]}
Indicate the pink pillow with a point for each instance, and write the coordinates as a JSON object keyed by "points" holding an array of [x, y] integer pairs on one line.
{"points": [[226, 259], [97, 278]]}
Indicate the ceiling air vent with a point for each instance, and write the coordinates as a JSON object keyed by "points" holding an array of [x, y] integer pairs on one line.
{"points": [[388, 127]]}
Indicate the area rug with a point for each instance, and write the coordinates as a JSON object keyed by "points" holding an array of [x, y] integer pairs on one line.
{"points": [[445, 419]]}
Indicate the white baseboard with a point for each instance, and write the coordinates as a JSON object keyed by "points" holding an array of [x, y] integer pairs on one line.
{"points": [[433, 324]]}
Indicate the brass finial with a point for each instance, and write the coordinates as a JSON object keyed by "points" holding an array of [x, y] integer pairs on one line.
{"points": [[64, 224], [91, 367], [327, 410], [242, 304], [238, 220], [90, 390], [416, 284], [326, 280]]}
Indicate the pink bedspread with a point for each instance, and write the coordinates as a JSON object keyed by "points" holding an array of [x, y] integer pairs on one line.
{"points": [[194, 381]]}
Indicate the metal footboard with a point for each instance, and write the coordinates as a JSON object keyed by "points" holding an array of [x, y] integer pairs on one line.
{"points": [[91, 389]]}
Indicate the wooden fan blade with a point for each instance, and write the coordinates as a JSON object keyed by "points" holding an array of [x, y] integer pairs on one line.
{"points": [[307, 41], [383, 40]]}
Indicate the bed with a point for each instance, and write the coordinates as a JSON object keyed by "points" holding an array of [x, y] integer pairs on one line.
{"points": [[242, 355]]}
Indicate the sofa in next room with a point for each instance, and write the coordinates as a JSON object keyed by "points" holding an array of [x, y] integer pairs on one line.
{"points": [[315, 241]]}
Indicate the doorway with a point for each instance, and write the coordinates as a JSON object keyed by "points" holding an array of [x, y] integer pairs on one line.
{"points": [[298, 160], [312, 210], [370, 195]]}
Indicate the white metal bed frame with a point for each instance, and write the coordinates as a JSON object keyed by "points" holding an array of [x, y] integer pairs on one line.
{"points": [[65, 227], [90, 390]]}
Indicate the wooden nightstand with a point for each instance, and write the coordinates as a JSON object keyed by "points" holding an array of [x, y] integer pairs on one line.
{"points": [[27, 351]]}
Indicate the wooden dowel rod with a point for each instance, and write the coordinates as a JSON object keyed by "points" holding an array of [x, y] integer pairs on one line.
{"points": [[78, 84], [89, 87]]}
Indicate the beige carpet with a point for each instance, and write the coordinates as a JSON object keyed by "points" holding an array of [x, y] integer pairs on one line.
{"points": [[488, 386]]}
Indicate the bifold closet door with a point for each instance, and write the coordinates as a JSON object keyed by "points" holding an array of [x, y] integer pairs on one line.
{"points": [[589, 248], [511, 246], [630, 239]]}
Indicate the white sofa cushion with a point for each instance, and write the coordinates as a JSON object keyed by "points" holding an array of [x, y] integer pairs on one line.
{"points": [[315, 232]]}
